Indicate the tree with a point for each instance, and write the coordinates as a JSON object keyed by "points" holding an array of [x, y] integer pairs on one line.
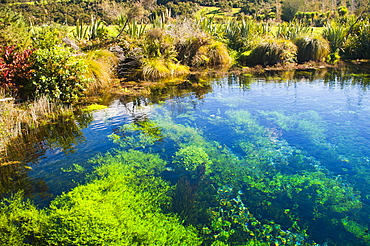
{"points": [[290, 8]]}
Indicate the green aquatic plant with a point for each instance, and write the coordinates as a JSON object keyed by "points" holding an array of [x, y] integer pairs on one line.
{"points": [[310, 123], [272, 158], [269, 169], [221, 193], [232, 222], [360, 231], [192, 158], [93, 107], [119, 205], [21, 223], [142, 134]]}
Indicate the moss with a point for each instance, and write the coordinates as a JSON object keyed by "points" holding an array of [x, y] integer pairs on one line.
{"points": [[93, 107]]}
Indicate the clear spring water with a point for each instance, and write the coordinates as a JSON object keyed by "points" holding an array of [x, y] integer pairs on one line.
{"points": [[301, 145]]}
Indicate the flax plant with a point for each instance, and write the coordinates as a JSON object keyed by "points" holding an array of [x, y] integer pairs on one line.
{"points": [[207, 25], [292, 30], [336, 34], [239, 33]]}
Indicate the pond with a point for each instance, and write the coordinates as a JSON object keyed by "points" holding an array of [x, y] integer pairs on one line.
{"points": [[282, 157]]}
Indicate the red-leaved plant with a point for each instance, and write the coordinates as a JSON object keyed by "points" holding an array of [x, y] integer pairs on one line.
{"points": [[15, 70]]}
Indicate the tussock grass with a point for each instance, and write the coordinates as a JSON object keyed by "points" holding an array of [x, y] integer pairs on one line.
{"points": [[213, 54], [100, 70], [157, 68], [312, 49], [271, 52]]}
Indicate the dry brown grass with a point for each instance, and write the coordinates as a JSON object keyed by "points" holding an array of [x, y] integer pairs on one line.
{"points": [[20, 119]]}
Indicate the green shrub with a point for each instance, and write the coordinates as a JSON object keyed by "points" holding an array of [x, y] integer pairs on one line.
{"points": [[358, 45], [271, 52], [312, 49], [57, 73], [14, 30]]}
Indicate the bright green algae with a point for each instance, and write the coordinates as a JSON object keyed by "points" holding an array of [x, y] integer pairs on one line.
{"points": [[119, 205]]}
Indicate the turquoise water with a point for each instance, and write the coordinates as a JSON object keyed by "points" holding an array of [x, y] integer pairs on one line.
{"points": [[272, 158]]}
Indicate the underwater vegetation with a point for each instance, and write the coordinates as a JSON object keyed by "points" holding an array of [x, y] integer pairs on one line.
{"points": [[174, 180], [261, 176], [119, 205]]}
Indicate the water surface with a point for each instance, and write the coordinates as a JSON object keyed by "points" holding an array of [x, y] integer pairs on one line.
{"points": [[298, 148]]}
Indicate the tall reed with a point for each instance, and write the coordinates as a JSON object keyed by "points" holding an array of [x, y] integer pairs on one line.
{"points": [[19, 119]]}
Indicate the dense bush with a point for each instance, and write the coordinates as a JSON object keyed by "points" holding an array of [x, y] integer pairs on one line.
{"points": [[15, 69], [358, 46], [14, 30], [58, 73], [61, 12]]}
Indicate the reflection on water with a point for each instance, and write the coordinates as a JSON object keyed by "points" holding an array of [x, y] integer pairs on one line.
{"points": [[294, 148]]}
